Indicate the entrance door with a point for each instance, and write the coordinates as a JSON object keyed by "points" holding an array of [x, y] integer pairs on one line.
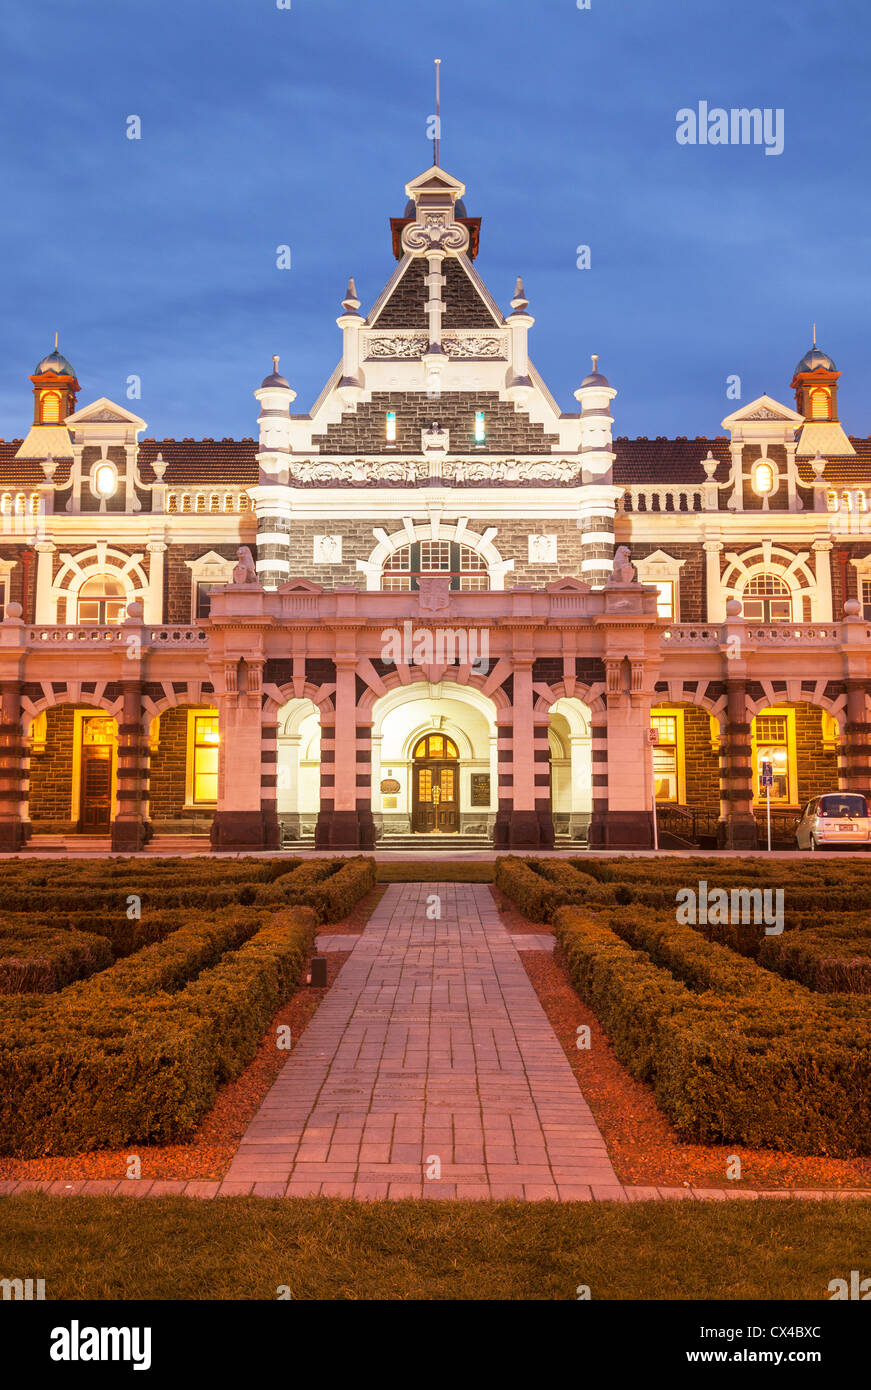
{"points": [[95, 812], [435, 786]]}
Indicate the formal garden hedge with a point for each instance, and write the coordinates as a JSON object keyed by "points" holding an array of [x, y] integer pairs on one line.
{"points": [[176, 1004], [751, 1038]]}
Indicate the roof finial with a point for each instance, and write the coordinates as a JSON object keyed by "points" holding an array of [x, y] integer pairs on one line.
{"points": [[594, 357], [815, 335], [438, 120], [275, 361], [55, 340]]}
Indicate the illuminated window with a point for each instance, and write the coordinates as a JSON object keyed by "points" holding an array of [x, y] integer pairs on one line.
{"points": [[767, 599], [101, 600], [664, 597], [763, 478], [205, 758], [665, 757], [866, 599], [772, 742], [820, 404], [480, 427], [435, 746], [105, 479], [390, 431], [50, 408]]}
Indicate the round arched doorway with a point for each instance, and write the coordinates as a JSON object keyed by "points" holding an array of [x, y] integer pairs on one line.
{"points": [[435, 804]]}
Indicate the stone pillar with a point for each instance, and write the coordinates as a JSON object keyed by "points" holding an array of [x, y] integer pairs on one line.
{"points": [[737, 826], [130, 830], [543, 800], [14, 827], [524, 829], [627, 823], [823, 564], [244, 820], [855, 759], [44, 611], [273, 508], [154, 597], [715, 601], [345, 820], [596, 524]]}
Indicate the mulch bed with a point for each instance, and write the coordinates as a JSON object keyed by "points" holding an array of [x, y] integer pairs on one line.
{"points": [[642, 1145], [208, 1152]]}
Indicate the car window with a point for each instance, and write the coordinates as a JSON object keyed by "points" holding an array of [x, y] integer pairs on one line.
{"points": [[845, 806]]}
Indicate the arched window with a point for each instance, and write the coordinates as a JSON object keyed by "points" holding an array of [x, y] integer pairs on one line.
{"points": [[767, 599], [50, 408], [101, 600], [435, 746], [819, 404], [466, 567]]}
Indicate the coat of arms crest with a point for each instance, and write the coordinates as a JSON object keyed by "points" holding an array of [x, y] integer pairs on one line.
{"points": [[434, 592]]}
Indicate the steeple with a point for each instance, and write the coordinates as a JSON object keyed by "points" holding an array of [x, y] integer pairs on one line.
{"points": [[815, 383], [54, 398]]}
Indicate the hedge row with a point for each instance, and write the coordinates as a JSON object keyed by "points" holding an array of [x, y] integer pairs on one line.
{"points": [[331, 887], [108, 1065], [37, 959], [830, 960], [735, 1056]]}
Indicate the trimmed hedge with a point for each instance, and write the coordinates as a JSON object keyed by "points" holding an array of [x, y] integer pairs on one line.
{"points": [[331, 887], [111, 1066], [832, 959], [36, 959], [737, 1057]]}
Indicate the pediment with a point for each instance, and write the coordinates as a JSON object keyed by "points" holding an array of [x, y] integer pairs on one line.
{"points": [[435, 180], [765, 410], [105, 412], [301, 586], [568, 585]]}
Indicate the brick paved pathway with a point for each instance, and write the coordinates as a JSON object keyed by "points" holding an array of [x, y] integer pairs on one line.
{"points": [[430, 1053]]}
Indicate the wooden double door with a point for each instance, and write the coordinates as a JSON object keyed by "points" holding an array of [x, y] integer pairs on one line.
{"points": [[435, 801]]}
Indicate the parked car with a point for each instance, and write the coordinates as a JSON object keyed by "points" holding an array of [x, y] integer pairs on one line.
{"points": [[835, 819]]}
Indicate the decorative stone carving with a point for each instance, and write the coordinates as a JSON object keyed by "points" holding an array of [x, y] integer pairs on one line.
{"points": [[622, 571], [763, 413], [542, 550], [327, 550], [434, 592], [475, 345], [244, 572], [435, 231], [404, 345]]}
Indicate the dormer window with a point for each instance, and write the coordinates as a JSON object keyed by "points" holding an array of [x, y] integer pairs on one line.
{"points": [[763, 478], [390, 427], [480, 427]]}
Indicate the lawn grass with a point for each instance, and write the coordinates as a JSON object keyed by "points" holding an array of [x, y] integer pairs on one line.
{"points": [[326, 1248], [436, 870]]}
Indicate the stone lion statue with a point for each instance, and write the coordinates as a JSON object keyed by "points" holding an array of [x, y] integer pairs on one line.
{"points": [[622, 572], [244, 572]]}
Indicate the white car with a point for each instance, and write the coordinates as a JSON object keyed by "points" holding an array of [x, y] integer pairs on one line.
{"points": [[839, 819]]}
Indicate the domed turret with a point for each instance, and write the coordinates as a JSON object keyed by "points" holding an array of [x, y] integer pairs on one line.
{"points": [[813, 359], [54, 362]]}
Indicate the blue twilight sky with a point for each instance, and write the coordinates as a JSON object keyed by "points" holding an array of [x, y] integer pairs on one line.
{"points": [[264, 126]]}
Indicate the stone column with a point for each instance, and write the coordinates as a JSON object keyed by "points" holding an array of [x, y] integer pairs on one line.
{"points": [[154, 597], [130, 830], [823, 564], [715, 601], [737, 826], [245, 818], [524, 830], [14, 827], [44, 612], [346, 770], [855, 757], [627, 823]]}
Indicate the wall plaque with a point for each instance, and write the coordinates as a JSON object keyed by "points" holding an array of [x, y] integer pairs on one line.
{"points": [[480, 789], [390, 786]]}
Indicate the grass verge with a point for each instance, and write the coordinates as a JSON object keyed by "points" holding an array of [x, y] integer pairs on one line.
{"points": [[325, 1248], [436, 870]]}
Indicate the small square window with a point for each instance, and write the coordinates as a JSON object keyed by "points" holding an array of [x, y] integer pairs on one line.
{"points": [[390, 428]]}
